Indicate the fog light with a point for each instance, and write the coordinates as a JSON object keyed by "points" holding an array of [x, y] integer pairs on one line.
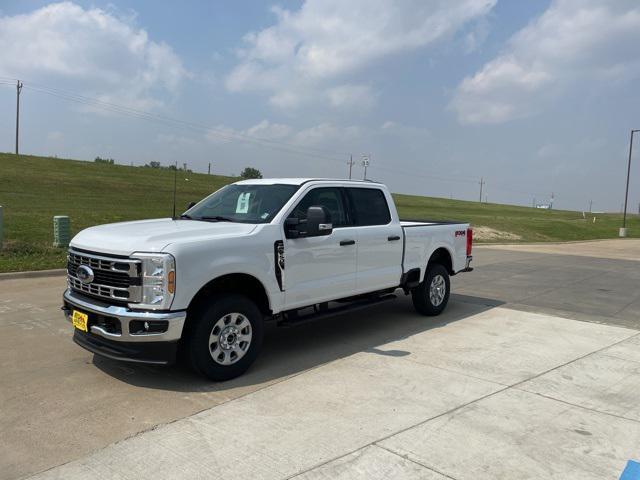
{"points": [[140, 327]]}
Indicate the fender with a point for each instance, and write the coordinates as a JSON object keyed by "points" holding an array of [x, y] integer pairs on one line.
{"points": [[437, 246]]}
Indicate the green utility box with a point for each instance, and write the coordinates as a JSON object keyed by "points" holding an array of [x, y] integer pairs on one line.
{"points": [[61, 231]]}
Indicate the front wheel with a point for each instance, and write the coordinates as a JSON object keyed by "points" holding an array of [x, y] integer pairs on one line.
{"points": [[226, 338], [430, 297]]}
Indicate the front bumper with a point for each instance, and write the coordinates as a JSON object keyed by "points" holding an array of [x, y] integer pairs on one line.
{"points": [[115, 332]]}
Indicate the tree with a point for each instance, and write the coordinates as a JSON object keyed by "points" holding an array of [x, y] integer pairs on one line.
{"points": [[108, 161], [153, 165], [250, 172]]}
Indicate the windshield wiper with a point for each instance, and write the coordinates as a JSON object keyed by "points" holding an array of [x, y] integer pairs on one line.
{"points": [[187, 217], [217, 218]]}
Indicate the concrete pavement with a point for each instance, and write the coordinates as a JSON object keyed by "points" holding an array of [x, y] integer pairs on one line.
{"points": [[488, 390], [461, 401], [619, 249]]}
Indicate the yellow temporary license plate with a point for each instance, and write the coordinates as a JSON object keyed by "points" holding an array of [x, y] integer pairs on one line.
{"points": [[79, 320]]}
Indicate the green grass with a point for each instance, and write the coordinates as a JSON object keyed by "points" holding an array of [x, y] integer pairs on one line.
{"points": [[34, 189]]}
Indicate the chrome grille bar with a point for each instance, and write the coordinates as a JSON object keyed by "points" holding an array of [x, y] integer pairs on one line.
{"points": [[115, 278]]}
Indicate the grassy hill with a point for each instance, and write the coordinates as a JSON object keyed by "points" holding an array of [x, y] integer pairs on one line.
{"points": [[34, 189]]}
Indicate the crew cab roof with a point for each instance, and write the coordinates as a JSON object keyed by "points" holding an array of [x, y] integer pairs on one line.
{"points": [[301, 181]]}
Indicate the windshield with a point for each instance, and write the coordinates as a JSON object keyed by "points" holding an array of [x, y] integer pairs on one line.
{"points": [[242, 203]]}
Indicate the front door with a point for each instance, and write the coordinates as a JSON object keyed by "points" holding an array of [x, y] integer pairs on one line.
{"points": [[319, 269]]}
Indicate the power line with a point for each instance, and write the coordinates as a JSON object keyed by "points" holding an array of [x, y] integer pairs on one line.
{"points": [[116, 108], [168, 121], [283, 146], [287, 147]]}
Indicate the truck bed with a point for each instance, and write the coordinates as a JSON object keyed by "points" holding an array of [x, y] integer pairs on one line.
{"points": [[425, 236]]}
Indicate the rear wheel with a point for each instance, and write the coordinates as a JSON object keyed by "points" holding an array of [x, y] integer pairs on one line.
{"points": [[431, 296], [226, 338]]}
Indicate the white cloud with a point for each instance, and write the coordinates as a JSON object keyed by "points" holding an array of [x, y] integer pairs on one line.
{"points": [[324, 135], [265, 130], [313, 49], [327, 135], [351, 96], [89, 50], [574, 44], [399, 130], [268, 130]]}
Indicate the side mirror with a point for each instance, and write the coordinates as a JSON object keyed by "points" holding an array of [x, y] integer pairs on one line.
{"points": [[318, 222], [191, 204]]}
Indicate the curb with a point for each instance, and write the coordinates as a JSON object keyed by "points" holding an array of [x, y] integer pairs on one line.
{"points": [[33, 274]]}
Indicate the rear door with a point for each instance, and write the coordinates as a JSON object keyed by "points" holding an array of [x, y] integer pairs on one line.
{"points": [[379, 256], [319, 269]]}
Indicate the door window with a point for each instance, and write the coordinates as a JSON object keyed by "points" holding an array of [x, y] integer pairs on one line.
{"points": [[330, 198], [369, 206]]}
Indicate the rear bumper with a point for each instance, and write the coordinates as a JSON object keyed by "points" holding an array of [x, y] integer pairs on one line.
{"points": [[119, 333]]}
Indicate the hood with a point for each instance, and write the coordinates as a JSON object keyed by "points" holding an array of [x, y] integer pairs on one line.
{"points": [[153, 235]]}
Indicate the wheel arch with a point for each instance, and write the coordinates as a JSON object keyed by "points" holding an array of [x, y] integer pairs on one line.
{"points": [[443, 256], [238, 283]]}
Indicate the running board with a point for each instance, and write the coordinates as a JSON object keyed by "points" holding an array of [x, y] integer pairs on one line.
{"points": [[291, 319]]}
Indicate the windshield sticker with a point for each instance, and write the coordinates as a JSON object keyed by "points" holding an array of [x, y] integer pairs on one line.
{"points": [[243, 203]]}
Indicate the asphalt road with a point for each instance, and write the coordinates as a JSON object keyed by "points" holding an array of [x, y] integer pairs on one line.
{"points": [[517, 327], [591, 281]]}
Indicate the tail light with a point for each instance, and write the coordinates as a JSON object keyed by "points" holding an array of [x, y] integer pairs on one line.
{"points": [[469, 241]]}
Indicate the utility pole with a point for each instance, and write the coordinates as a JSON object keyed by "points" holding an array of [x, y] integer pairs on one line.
{"points": [[590, 205], [18, 90], [350, 163], [209, 171], [482, 182], [623, 230]]}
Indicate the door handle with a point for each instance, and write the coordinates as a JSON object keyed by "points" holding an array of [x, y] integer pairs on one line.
{"points": [[347, 242], [393, 238]]}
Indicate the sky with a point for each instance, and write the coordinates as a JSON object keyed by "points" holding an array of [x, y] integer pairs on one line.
{"points": [[534, 98]]}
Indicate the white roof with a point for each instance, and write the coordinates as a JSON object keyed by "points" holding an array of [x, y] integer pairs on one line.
{"points": [[299, 181]]}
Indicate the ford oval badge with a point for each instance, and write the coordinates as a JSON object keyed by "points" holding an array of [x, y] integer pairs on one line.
{"points": [[85, 274]]}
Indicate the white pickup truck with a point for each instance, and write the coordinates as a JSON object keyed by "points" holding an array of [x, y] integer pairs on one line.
{"points": [[286, 250]]}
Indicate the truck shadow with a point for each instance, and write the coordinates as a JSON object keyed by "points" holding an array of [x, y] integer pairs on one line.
{"points": [[290, 351]]}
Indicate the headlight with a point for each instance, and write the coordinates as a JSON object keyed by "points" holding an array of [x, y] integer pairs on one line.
{"points": [[158, 280]]}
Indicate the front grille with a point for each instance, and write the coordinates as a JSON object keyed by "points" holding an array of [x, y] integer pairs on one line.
{"points": [[114, 278]]}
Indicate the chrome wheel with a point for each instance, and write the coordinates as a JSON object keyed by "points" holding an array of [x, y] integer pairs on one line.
{"points": [[437, 290], [230, 338]]}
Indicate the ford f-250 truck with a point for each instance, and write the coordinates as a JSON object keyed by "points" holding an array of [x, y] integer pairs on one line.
{"points": [[288, 250]]}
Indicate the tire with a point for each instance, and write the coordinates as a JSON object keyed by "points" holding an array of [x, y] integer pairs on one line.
{"points": [[229, 328], [437, 277]]}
